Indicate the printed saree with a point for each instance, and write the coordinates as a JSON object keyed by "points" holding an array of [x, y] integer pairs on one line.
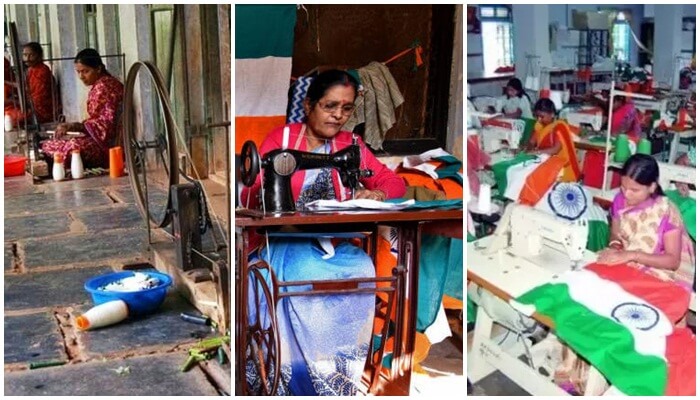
{"points": [[642, 228]]}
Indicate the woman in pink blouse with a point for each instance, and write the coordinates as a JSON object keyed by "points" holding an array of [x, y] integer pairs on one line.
{"points": [[101, 128]]}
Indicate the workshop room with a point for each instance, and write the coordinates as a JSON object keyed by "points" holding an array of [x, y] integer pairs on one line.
{"points": [[117, 200], [348, 219], [581, 199]]}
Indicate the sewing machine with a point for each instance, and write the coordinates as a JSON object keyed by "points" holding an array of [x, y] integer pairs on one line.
{"points": [[669, 173], [280, 164], [531, 231], [495, 131], [587, 117]]}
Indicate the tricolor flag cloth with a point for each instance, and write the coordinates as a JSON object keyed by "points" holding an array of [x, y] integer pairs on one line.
{"points": [[264, 46], [622, 321]]}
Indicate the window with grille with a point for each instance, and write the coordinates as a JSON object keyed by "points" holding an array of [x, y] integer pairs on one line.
{"points": [[496, 36], [621, 38], [91, 26]]}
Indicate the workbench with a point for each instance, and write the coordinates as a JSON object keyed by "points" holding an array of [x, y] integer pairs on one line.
{"points": [[410, 225], [509, 277]]}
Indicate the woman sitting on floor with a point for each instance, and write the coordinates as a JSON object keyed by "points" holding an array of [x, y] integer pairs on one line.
{"points": [[101, 128]]}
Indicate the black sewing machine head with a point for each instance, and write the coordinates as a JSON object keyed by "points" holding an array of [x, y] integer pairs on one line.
{"points": [[280, 164]]}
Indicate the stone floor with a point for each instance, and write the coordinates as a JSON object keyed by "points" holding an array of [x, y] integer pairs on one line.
{"points": [[58, 235]]}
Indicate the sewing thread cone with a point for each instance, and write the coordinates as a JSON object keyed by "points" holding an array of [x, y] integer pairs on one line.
{"points": [[105, 314]]}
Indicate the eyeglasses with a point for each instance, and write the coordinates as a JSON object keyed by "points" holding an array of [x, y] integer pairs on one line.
{"points": [[332, 106]]}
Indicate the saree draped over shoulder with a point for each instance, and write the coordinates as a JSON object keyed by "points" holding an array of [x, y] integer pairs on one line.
{"points": [[558, 131], [642, 227]]}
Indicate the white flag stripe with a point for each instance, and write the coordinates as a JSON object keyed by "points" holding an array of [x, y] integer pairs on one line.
{"points": [[262, 85], [602, 296]]}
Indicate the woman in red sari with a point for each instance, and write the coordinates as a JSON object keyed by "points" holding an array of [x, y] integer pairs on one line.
{"points": [[42, 90], [104, 106]]}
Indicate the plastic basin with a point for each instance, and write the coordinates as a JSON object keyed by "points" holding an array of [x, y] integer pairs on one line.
{"points": [[139, 302], [14, 165]]}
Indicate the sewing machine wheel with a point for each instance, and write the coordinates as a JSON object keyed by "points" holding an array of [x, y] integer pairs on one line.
{"points": [[262, 338], [150, 147], [250, 163]]}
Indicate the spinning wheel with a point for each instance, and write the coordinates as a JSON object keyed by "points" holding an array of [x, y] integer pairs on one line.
{"points": [[151, 156], [262, 339]]}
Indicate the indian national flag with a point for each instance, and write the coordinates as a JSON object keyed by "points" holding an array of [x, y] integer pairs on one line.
{"points": [[622, 321], [527, 178], [264, 45]]}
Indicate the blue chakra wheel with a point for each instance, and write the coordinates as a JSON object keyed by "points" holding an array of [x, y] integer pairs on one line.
{"points": [[636, 315], [567, 200]]}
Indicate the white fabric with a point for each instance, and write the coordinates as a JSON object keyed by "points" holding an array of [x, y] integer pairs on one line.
{"points": [[602, 296], [328, 205], [262, 85], [439, 330], [516, 103], [517, 174]]}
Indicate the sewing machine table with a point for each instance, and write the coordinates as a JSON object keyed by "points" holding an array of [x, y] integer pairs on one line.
{"points": [[409, 225]]}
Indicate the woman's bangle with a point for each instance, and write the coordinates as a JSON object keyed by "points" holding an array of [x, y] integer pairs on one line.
{"points": [[615, 244]]}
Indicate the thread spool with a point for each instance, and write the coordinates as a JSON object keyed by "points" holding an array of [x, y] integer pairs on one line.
{"points": [[116, 162], [644, 147], [105, 314], [622, 148], [484, 204]]}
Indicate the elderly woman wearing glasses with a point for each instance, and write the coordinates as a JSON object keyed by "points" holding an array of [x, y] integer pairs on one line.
{"points": [[324, 339], [330, 101]]}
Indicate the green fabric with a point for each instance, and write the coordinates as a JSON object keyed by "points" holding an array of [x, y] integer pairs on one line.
{"points": [[471, 310], [529, 127], [433, 204], [500, 170], [265, 30], [355, 74], [450, 168], [607, 345], [598, 236], [691, 155], [686, 205], [440, 271]]}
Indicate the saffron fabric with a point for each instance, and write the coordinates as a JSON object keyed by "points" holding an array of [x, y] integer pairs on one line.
{"points": [[104, 107]]}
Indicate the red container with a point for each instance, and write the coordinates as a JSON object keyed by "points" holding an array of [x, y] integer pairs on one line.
{"points": [[14, 165]]}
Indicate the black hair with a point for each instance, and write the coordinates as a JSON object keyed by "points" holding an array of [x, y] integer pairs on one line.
{"points": [[36, 48], [545, 105], [643, 169], [516, 84], [91, 58], [326, 80]]}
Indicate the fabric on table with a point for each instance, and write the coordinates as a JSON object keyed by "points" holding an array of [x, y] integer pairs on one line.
{"points": [[687, 207]]}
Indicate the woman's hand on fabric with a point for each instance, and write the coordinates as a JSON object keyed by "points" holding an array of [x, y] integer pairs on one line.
{"points": [[683, 189], [370, 194], [613, 256]]}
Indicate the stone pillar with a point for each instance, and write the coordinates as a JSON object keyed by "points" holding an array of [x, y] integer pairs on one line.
{"points": [[108, 38], [67, 33], [531, 37], [668, 21]]}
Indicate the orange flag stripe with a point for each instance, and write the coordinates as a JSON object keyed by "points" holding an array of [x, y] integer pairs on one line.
{"points": [[255, 129]]}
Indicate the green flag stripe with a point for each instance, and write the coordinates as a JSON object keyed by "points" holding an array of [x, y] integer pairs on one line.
{"points": [[606, 344], [265, 30]]}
